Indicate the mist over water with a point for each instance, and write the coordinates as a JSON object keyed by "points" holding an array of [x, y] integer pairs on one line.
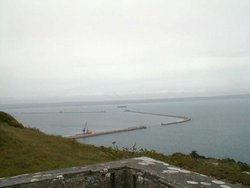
{"points": [[218, 128]]}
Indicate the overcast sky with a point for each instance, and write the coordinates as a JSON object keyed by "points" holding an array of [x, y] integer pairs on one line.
{"points": [[56, 50]]}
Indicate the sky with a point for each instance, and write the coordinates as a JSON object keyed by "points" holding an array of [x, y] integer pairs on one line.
{"points": [[58, 50]]}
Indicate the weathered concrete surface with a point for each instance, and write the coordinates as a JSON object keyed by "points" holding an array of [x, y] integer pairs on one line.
{"points": [[140, 172]]}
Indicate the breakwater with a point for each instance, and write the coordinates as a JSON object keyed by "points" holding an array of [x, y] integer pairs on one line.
{"points": [[182, 119], [84, 135], [149, 113], [176, 122], [65, 112]]}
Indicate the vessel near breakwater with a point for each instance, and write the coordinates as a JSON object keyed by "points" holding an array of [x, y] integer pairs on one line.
{"points": [[85, 135]]}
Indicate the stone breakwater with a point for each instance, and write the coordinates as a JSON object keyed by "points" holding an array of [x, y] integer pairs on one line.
{"points": [[82, 135], [181, 119], [142, 172]]}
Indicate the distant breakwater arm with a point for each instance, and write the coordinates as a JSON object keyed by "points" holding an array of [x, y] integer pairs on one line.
{"points": [[183, 118], [66, 112]]}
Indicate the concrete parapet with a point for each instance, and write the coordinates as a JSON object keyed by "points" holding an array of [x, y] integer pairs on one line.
{"points": [[142, 172]]}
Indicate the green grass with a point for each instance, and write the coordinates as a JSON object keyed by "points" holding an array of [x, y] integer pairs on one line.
{"points": [[27, 150]]}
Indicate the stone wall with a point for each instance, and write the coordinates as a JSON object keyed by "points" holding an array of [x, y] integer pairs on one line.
{"points": [[140, 172]]}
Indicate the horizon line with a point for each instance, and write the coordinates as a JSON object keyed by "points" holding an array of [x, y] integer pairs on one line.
{"points": [[121, 101]]}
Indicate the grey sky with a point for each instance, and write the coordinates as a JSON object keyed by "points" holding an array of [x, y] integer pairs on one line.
{"points": [[55, 50]]}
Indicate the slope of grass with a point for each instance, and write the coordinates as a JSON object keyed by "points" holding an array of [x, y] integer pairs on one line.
{"points": [[27, 150], [24, 150], [11, 121]]}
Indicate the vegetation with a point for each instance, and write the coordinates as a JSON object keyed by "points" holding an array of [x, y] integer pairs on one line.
{"points": [[26, 150], [11, 121]]}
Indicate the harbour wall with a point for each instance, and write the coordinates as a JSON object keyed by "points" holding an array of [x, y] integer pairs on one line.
{"points": [[183, 119], [82, 135]]}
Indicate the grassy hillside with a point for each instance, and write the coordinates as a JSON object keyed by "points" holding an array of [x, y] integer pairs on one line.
{"points": [[26, 150]]}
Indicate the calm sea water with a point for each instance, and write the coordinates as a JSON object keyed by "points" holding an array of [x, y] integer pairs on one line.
{"points": [[219, 127]]}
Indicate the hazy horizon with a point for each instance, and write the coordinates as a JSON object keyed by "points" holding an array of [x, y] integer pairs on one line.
{"points": [[74, 101], [53, 51]]}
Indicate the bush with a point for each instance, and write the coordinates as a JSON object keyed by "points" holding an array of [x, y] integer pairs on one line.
{"points": [[243, 166], [195, 155]]}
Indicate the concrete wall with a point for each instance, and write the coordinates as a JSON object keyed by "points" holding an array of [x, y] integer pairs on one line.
{"points": [[131, 173]]}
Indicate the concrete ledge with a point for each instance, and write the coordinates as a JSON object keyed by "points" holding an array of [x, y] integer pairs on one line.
{"points": [[130, 173]]}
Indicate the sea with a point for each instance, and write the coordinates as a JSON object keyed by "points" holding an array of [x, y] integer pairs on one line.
{"points": [[219, 126]]}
